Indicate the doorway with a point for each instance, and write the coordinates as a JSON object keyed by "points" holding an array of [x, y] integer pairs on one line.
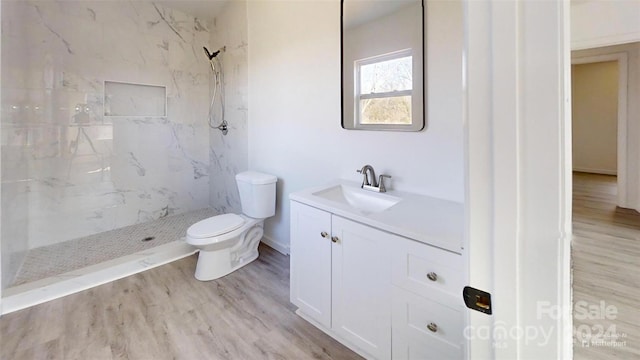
{"points": [[599, 118], [606, 228]]}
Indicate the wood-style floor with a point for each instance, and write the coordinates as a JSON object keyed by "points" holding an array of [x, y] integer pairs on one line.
{"points": [[606, 271], [165, 313]]}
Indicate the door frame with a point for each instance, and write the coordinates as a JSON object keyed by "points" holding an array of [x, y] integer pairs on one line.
{"points": [[517, 131], [622, 149]]}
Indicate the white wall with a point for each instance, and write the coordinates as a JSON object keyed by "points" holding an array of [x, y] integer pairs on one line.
{"points": [[594, 103], [597, 23], [294, 107]]}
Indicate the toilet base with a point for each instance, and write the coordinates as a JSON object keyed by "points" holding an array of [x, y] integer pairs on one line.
{"points": [[216, 264], [216, 261]]}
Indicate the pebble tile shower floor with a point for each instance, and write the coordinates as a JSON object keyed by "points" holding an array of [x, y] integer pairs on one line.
{"points": [[75, 254]]}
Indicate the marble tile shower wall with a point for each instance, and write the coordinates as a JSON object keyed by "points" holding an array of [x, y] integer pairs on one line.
{"points": [[229, 154], [67, 170]]}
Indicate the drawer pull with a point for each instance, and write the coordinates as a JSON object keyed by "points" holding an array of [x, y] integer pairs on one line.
{"points": [[432, 327], [334, 239], [324, 234], [432, 276]]}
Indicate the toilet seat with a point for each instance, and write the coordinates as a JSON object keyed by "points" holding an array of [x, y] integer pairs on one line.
{"points": [[215, 226]]}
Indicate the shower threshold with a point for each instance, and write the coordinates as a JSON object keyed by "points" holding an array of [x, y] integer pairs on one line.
{"points": [[55, 271]]}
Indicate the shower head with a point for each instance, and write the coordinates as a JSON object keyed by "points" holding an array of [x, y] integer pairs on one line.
{"points": [[210, 55]]}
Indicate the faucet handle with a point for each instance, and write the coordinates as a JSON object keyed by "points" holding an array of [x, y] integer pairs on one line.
{"points": [[381, 182], [365, 180]]}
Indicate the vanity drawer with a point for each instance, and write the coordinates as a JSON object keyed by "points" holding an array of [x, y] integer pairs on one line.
{"points": [[422, 268], [424, 329]]}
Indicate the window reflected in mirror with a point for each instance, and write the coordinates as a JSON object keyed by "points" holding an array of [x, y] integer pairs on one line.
{"points": [[382, 65], [384, 88]]}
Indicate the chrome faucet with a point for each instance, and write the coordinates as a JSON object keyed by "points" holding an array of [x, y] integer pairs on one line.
{"points": [[372, 184], [365, 171]]}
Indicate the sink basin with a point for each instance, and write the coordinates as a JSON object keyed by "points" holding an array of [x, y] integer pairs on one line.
{"points": [[366, 202]]}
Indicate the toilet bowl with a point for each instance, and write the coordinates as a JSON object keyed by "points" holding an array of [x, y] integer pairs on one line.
{"points": [[227, 242]]}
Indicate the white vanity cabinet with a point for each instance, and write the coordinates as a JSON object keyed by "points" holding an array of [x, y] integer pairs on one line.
{"points": [[361, 286], [310, 275], [428, 317], [342, 280], [386, 282]]}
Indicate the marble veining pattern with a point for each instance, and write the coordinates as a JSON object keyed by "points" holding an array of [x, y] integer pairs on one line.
{"points": [[229, 154], [124, 99], [68, 171]]}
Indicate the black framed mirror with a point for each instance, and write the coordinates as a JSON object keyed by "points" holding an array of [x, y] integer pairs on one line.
{"points": [[382, 63]]}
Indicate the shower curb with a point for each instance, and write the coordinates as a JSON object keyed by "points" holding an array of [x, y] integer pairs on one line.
{"points": [[40, 291]]}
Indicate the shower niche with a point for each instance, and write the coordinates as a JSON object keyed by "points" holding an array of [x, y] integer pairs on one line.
{"points": [[128, 99]]}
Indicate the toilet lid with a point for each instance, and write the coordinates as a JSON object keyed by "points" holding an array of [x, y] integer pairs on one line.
{"points": [[215, 226]]}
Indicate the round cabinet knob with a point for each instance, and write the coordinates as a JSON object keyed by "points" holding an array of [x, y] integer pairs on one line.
{"points": [[432, 276], [324, 234], [334, 239], [432, 327]]}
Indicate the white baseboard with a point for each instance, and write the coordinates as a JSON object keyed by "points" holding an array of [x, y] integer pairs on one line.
{"points": [[595, 171], [277, 246]]}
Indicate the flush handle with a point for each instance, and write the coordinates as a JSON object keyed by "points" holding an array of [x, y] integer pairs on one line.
{"points": [[432, 276], [432, 327], [324, 234]]}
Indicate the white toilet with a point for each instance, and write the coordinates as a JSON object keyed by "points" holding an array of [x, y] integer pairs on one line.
{"points": [[228, 242]]}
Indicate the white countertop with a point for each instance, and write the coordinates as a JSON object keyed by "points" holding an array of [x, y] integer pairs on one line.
{"points": [[423, 218]]}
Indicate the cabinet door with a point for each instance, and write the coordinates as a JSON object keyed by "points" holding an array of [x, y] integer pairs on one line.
{"points": [[311, 262], [361, 286], [426, 330]]}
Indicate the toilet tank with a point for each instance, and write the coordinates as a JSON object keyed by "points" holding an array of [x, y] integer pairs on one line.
{"points": [[257, 194]]}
